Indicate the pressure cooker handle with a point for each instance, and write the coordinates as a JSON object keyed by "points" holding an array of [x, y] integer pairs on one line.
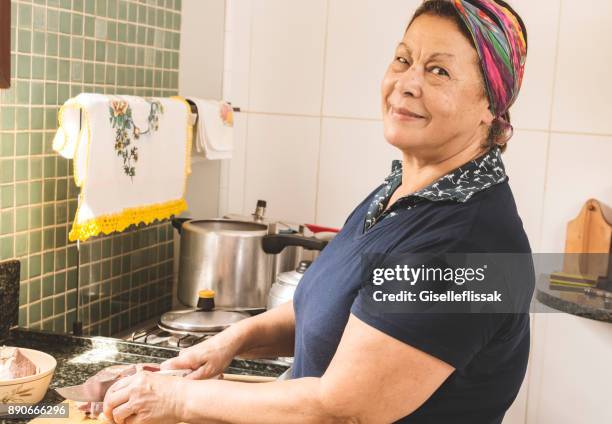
{"points": [[275, 243]]}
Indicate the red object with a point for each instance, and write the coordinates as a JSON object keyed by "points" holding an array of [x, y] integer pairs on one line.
{"points": [[319, 229]]}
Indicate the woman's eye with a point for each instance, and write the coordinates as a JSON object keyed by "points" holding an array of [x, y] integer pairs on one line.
{"points": [[440, 71], [401, 60]]}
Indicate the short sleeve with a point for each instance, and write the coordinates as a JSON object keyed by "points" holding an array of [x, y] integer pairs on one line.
{"points": [[453, 336]]}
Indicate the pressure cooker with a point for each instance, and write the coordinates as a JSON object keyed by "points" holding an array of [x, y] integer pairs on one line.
{"points": [[237, 259]]}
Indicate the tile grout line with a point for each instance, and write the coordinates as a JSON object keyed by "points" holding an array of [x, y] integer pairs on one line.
{"points": [[544, 190], [321, 116], [248, 114]]}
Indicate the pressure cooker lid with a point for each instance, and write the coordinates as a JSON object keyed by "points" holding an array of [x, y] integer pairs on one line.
{"points": [[198, 321], [284, 227], [247, 218], [225, 226]]}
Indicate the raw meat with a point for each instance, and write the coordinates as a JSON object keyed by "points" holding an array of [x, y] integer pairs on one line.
{"points": [[100, 382], [14, 364]]}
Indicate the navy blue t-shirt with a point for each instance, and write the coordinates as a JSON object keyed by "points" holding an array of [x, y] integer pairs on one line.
{"points": [[488, 351]]}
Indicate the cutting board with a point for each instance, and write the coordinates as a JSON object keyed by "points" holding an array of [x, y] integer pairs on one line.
{"points": [[76, 416], [588, 233]]}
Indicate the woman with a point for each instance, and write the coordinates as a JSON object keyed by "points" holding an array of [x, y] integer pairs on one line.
{"points": [[445, 100]]}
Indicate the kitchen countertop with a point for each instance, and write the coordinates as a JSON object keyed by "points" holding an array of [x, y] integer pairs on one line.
{"points": [[80, 357], [577, 303]]}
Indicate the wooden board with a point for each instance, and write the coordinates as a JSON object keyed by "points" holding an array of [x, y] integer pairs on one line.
{"points": [[588, 233], [74, 416], [247, 378]]}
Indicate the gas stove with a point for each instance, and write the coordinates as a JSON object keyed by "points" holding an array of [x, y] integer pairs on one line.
{"points": [[156, 336], [149, 332]]}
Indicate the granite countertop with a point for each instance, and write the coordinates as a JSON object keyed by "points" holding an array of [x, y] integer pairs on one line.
{"points": [[80, 357], [578, 303], [9, 295]]}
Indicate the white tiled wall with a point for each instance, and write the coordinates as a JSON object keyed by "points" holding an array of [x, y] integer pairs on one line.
{"points": [[525, 158], [361, 38], [280, 154], [532, 109], [583, 88], [347, 146], [201, 75], [579, 168], [287, 68], [570, 371], [307, 74]]}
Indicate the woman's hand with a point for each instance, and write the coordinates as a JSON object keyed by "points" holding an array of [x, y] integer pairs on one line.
{"points": [[208, 358], [145, 397], [269, 334]]}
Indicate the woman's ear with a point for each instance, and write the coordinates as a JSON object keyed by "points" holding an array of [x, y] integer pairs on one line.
{"points": [[487, 116]]}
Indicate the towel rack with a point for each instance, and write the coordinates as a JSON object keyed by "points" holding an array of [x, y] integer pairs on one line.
{"points": [[194, 108]]}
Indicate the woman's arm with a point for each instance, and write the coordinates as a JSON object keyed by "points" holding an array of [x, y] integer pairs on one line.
{"points": [[287, 402], [269, 334], [373, 378]]}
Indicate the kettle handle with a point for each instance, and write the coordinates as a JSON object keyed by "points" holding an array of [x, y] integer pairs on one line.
{"points": [[275, 243]]}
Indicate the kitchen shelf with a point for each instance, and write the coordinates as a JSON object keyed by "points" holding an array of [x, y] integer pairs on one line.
{"points": [[577, 303]]}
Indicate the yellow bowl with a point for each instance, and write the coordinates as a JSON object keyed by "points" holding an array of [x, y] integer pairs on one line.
{"points": [[31, 389]]}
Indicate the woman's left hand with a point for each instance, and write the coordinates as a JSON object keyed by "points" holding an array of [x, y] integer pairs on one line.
{"points": [[144, 397]]}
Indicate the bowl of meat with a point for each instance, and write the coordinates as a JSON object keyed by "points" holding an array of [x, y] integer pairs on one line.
{"points": [[25, 374]]}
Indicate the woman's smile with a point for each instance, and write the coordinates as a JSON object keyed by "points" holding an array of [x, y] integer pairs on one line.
{"points": [[432, 92], [403, 114]]}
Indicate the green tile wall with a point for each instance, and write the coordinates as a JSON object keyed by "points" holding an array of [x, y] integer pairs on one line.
{"points": [[60, 48]]}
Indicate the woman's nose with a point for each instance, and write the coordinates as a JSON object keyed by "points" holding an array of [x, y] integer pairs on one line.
{"points": [[410, 83]]}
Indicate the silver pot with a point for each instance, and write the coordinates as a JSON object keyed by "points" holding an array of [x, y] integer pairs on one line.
{"points": [[225, 256], [284, 287]]}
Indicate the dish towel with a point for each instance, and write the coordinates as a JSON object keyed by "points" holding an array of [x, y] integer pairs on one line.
{"points": [[131, 158], [214, 135]]}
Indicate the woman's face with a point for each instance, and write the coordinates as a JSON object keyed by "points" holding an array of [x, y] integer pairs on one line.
{"points": [[433, 97]]}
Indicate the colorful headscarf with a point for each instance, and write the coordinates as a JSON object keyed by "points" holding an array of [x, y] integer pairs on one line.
{"points": [[502, 49]]}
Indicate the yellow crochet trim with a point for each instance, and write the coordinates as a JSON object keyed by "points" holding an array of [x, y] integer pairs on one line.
{"points": [[107, 224]]}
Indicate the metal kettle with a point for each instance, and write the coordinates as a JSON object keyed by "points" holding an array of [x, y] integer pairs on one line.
{"points": [[284, 287]]}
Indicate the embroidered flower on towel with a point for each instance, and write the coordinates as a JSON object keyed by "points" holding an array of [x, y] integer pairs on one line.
{"points": [[154, 112], [122, 121], [119, 108], [227, 114]]}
